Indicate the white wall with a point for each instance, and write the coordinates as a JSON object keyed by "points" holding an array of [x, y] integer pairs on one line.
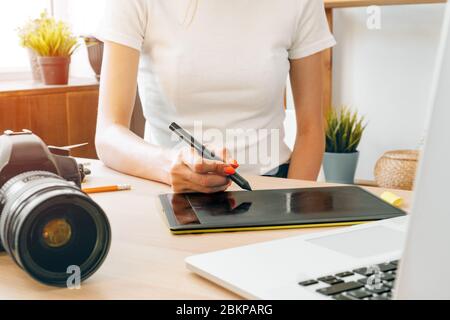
{"points": [[386, 74]]}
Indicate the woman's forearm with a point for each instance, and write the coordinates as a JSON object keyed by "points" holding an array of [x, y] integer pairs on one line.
{"points": [[122, 150], [307, 90], [117, 146], [307, 156]]}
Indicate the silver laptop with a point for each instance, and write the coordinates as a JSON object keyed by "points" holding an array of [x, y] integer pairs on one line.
{"points": [[403, 258]]}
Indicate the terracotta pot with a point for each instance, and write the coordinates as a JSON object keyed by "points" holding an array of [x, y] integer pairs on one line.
{"points": [[54, 70], [95, 54], [35, 68], [397, 169]]}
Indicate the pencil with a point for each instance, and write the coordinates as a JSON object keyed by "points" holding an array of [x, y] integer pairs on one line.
{"points": [[119, 187]]}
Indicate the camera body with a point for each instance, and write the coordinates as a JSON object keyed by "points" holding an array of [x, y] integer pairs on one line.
{"points": [[24, 151], [47, 224]]}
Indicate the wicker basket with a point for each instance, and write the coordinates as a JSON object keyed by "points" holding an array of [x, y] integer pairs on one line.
{"points": [[397, 169]]}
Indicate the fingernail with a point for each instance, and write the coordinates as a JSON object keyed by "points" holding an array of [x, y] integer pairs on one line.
{"points": [[229, 170], [235, 164]]}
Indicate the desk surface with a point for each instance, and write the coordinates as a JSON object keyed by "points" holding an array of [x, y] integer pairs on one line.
{"points": [[146, 261]]}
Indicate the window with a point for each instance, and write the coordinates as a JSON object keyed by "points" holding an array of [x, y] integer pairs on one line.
{"points": [[82, 15], [13, 14]]}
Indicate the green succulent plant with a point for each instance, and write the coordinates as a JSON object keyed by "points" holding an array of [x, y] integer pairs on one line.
{"points": [[344, 130]]}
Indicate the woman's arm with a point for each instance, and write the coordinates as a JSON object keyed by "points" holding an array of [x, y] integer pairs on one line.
{"points": [[309, 146], [124, 151]]}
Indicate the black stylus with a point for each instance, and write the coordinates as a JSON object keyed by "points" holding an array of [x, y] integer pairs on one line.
{"points": [[207, 154]]}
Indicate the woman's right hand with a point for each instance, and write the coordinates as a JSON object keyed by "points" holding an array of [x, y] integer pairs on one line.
{"points": [[192, 173]]}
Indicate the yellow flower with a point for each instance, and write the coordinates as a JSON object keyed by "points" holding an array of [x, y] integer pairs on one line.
{"points": [[48, 37]]}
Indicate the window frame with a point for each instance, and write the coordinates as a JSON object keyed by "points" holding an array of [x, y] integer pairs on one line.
{"points": [[58, 9]]}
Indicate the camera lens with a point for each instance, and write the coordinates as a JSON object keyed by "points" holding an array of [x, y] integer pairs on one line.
{"points": [[47, 225], [57, 233]]}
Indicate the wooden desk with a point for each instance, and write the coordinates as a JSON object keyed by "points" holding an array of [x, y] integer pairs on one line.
{"points": [[146, 261], [330, 5]]}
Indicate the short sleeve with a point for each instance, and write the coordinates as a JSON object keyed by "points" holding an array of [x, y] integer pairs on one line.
{"points": [[313, 33], [124, 22]]}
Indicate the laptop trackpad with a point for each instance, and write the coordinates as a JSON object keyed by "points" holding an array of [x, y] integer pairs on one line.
{"points": [[363, 243]]}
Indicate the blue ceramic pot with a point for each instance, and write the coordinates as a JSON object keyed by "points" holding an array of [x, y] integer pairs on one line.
{"points": [[340, 167]]}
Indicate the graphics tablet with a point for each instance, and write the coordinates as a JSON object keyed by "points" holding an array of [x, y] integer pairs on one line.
{"points": [[273, 209]]}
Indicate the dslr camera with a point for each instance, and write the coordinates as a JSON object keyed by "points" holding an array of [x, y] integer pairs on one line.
{"points": [[47, 224]]}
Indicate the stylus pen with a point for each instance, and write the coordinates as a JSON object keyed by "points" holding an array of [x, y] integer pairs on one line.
{"points": [[207, 154]]}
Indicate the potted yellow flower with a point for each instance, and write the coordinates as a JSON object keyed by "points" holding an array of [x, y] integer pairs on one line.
{"points": [[54, 44], [25, 33], [343, 135]]}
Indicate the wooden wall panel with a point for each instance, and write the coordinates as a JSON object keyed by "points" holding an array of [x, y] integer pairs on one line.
{"points": [[49, 118], [137, 124], [82, 119], [14, 113], [327, 71], [60, 115]]}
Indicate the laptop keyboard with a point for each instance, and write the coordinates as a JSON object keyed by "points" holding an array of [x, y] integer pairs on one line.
{"points": [[368, 283]]}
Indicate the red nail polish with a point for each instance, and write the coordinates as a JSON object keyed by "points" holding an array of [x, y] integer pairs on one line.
{"points": [[235, 164], [229, 170]]}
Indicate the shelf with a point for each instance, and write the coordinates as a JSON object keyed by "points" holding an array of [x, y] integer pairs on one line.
{"points": [[27, 87]]}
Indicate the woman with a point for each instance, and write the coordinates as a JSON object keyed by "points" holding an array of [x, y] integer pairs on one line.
{"points": [[218, 68]]}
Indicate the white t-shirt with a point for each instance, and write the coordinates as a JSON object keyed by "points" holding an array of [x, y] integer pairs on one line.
{"points": [[218, 68]]}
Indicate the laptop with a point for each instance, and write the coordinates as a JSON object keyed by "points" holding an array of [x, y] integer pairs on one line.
{"points": [[400, 258]]}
